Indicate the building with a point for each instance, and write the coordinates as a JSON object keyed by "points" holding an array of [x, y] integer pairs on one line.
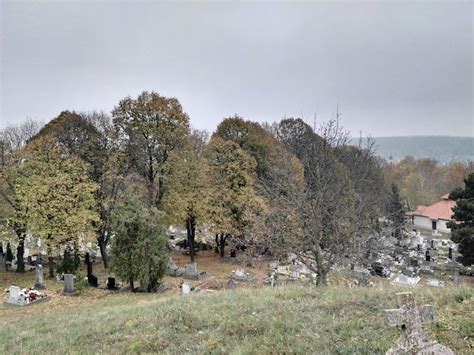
{"points": [[434, 217]]}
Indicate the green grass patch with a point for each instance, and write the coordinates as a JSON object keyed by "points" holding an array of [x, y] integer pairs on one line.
{"points": [[332, 320]]}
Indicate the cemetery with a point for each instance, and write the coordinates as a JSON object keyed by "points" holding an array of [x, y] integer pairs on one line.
{"points": [[236, 177]]}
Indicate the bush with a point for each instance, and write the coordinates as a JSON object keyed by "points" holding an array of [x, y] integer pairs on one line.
{"points": [[70, 263]]}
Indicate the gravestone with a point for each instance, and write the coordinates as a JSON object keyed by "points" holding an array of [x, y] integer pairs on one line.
{"points": [[456, 276], [91, 279], [432, 243], [2, 262], [427, 256], [240, 275], [111, 283], [406, 281], [185, 288], [174, 270], [435, 283], [14, 296], [231, 284], [190, 272], [418, 247], [39, 284], [409, 318], [361, 275], [190, 269], [450, 253], [69, 285]]}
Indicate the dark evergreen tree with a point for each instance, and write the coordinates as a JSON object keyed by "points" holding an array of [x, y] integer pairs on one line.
{"points": [[462, 228], [396, 210], [139, 244], [70, 263]]}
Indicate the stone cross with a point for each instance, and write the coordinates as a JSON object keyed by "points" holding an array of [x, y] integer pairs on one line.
{"points": [[69, 285], [409, 318], [39, 284]]}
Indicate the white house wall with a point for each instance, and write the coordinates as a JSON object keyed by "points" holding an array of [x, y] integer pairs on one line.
{"points": [[422, 222], [425, 222]]}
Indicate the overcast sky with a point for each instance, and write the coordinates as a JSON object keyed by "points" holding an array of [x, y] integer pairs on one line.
{"points": [[394, 67]]}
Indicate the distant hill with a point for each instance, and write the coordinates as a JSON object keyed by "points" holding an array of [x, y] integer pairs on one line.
{"points": [[442, 148]]}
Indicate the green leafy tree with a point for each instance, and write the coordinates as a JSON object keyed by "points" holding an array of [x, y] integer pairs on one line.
{"points": [[462, 229], [58, 193], [12, 213], [139, 244], [93, 138], [187, 199], [234, 205], [253, 139], [152, 127]]}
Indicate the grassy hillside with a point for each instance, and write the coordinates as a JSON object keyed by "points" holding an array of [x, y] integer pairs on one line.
{"points": [[292, 319], [442, 148]]}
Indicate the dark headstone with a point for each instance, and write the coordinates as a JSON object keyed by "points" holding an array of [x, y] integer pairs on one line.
{"points": [[414, 262], [418, 247], [88, 263], [233, 253], [450, 253], [432, 243], [92, 280], [427, 256], [111, 283]]}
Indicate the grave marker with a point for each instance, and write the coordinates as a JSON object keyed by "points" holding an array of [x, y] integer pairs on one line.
{"points": [[39, 284], [69, 285], [409, 318]]}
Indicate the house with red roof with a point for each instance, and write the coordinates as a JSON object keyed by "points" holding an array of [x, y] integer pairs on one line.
{"points": [[434, 217]]}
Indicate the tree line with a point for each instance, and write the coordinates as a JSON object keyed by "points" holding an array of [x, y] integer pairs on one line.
{"points": [[120, 180]]}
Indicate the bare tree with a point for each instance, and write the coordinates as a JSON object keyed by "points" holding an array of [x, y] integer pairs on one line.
{"points": [[320, 207]]}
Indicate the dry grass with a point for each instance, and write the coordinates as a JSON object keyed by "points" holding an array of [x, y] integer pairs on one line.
{"points": [[295, 319]]}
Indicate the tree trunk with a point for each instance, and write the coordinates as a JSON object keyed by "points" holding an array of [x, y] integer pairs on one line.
{"points": [[103, 250], [321, 278], [20, 252], [222, 245], [51, 266], [191, 232], [132, 288]]}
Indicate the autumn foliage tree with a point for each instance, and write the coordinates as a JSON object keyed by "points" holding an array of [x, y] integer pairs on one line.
{"points": [[59, 195], [233, 202], [187, 198], [152, 127]]}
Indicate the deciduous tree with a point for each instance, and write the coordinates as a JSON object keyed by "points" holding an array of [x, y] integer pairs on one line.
{"points": [[152, 127], [58, 193]]}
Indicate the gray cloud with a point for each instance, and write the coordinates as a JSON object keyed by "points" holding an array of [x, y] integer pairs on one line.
{"points": [[394, 67]]}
